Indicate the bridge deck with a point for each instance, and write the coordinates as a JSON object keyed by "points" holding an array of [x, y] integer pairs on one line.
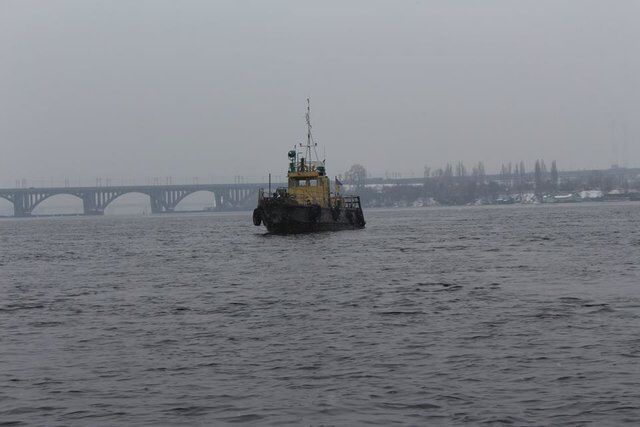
{"points": [[164, 198]]}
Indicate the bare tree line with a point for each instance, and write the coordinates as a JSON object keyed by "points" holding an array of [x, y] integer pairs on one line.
{"points": [[458, 184]]}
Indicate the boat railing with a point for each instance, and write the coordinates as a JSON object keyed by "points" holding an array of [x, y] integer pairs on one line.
{"points": [[280, 192], [348, 202], [352, 202]]}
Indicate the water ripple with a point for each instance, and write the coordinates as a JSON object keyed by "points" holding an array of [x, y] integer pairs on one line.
{"points": [[481, 315]]}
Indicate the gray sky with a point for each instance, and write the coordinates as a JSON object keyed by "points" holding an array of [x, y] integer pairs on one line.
{"points": [[137, 89]]}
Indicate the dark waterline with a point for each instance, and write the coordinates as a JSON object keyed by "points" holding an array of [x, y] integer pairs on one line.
{"points": [[514, 314]]}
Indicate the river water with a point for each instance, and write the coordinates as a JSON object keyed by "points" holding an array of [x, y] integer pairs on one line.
{"points": [[518, 314]]}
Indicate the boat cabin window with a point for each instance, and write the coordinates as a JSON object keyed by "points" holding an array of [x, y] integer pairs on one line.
{"points": [[305, 182]]}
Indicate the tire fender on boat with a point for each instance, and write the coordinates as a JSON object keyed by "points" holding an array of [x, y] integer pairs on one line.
{"points": [[257, 216]]}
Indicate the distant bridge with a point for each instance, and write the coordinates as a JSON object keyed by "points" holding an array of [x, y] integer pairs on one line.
{"points": [[164, 198]]}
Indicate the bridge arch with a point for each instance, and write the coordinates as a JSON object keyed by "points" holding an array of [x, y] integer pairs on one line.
{"points": [[38, 199], [213, 202], [112, 202], [162, 198]]}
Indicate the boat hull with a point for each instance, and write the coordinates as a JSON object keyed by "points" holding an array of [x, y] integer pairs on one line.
{"points": [[282, 218]]}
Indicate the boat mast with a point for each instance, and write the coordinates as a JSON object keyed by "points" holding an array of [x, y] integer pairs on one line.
{"points": [[307, 154], [310, 142]]}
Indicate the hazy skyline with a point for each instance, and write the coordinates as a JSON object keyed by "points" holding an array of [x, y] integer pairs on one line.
{"points": [[137, 89]]}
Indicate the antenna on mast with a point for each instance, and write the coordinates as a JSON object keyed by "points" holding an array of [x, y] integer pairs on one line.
{"points": [[309, 138], [310, 142]]}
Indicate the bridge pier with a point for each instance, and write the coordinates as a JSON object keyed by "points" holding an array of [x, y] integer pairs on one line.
{"points": [[19, 211], [21, 206], [218, 198], [161, 201], [89, 205], [224, 201], [156, 202]]}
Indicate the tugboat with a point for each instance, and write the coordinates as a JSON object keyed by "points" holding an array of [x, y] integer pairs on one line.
{"points": [[307, 204]]}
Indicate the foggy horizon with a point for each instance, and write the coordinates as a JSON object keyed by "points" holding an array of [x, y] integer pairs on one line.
{"points": [[135, 90]]}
